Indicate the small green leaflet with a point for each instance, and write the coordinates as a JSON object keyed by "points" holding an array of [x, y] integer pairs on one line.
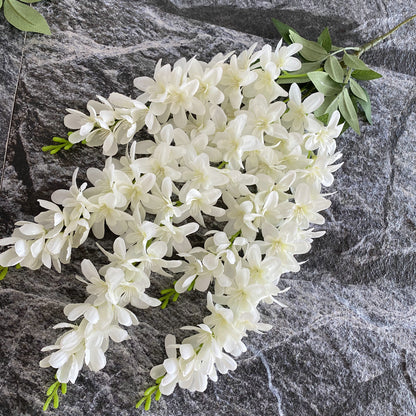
{"points": [[323, 83], [365, 75], [283, 29], [311, 51], [357, 90], [24, 17], [366, 106], [289, 79], [299, 76], [325, 40], [334, 69], [347, 109], [329, 105], [1, 3], [307, 67], [354, 62]]}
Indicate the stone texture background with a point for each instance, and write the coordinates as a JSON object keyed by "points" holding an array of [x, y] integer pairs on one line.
{"points": [[346, 343]]}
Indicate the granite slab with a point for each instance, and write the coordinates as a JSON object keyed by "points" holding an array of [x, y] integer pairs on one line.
{"points": [[345, 345]]}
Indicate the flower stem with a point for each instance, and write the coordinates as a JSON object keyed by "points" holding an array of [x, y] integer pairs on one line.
{"points": [[374, 42]]}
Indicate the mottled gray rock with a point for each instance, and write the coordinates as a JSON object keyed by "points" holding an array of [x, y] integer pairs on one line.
{"points": [[345, 343]]}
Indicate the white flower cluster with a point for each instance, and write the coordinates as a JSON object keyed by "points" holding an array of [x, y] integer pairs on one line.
{"points": [[226, 145]]}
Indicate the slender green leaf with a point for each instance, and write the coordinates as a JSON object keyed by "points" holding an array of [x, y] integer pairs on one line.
{"points": [[139, 403], [30, 1], [347, 109], [366, 107], [324, 83], [333, 106], [311, 51], [52, 388], [150, 390], [47, 402], [283, 29], [357, 90], [158, 395], [56, 401], [299, 79], [365, 75], [1, 3], [307, 67], [3, 272], [325, 40], [334, 69], [329, 102], [354, 62], [324, 118], [25, 18], [148, 403]]}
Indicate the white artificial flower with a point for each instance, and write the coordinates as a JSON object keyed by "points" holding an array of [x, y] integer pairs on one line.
{"points": [[264, 118], [234, 144], [323, 138], [300, 114], [282, 56]]}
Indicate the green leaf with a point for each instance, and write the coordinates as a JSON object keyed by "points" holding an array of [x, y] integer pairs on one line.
{"points": [[140, 402], [47, 402], [334, 69], [30, 1], [63, 388], [354, 62], [325, 40], [283, 29], [366, 107], [333, 106], [25, 18], [52, 388], [324, 118], [365, 74], [324, 83], [347, 109], [329, 105], [1, 3], [158, 395], [150, 390], [56, 401], [148, 403], [311, 51], [3, 272], [357, 90], [299, 79], [306, 67]]}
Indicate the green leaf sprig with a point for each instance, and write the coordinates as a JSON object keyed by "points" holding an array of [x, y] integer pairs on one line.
{"points": [[171, 295], [147, 396], [4, 270], [53, 394], [22, 16], [64, 144], [335, 72]]}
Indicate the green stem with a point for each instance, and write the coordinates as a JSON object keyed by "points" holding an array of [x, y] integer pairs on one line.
{"points": [[348, 48], [374, 42]]}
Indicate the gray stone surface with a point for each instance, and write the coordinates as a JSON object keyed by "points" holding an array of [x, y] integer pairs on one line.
{"points": [[346, 343]]}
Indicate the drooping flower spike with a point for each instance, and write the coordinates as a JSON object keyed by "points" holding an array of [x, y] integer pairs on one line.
{"points": [[227, 152]]}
